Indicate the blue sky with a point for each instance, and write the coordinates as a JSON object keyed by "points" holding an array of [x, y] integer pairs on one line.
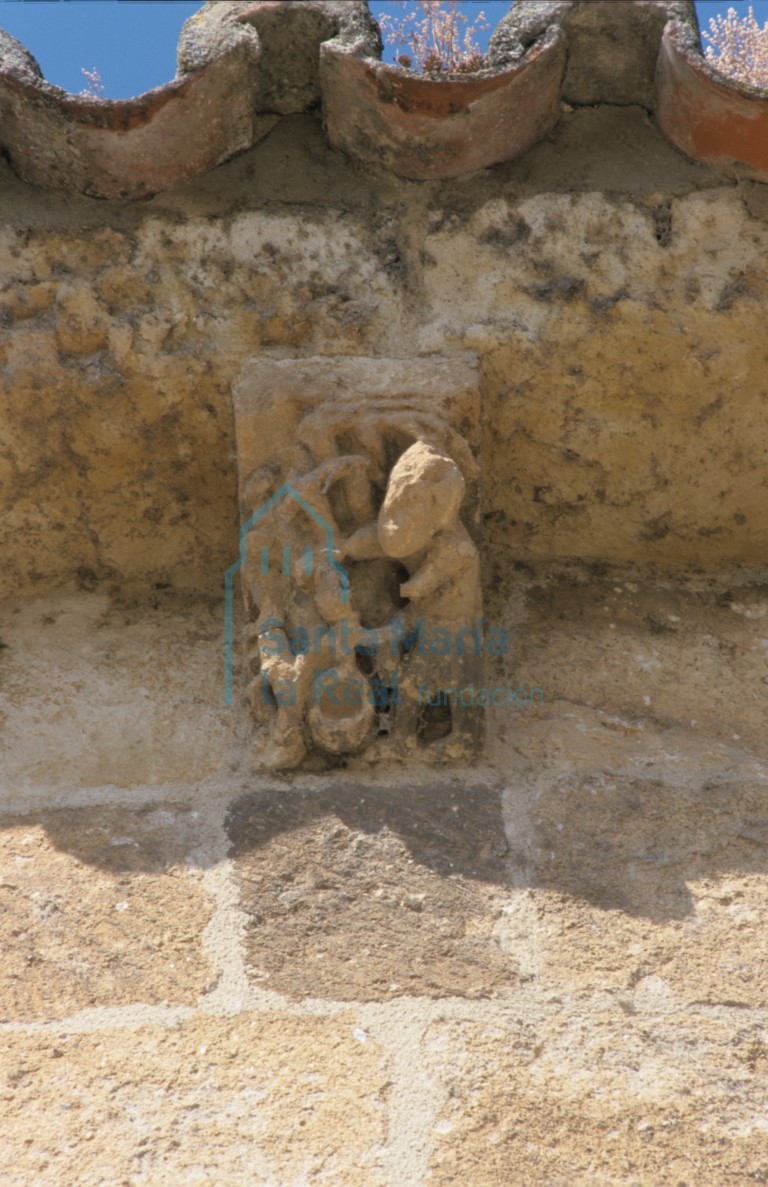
{"points": [[132, 43]]}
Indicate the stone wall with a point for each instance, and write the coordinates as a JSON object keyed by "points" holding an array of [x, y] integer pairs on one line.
{"points": [[543, 967], [619, 322]]}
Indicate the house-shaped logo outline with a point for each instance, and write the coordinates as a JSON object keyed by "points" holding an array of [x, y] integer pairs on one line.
{"points": [[285, 491]]}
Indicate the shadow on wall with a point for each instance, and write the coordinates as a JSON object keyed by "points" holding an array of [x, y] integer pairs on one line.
{"points": [[618, 843], [369, 894], [622, 844]]}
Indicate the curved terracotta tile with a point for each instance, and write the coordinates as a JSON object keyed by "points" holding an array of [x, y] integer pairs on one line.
{"points": [[132, 148], [245, 63], [431, 128], [127, 148], [708, 117], [241, 69]]}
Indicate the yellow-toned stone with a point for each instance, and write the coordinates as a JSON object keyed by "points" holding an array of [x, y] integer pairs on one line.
{"points": [[125, 465], [624, 404], [602, 948], [81, 325], [601, 1099], [24, 301], [623, 373], [96, 692], [99, 909], [714, 954], [251, 1101], [123, 287], [77, 253]]}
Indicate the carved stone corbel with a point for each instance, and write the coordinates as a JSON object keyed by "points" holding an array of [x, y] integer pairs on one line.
{"points": [[361, 575]]}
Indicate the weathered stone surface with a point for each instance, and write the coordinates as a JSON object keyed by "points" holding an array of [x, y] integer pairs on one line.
{"points": [[16, 59], [613, 45], [443, 385], [243, 63], [637, 877], [252, 1101], [611, 1098], [130, 148], [665, 653], [98, 692], [116, 321], [282, 39], [635, 799], [395, 893], [214, 30], [613, 48], [601, 359], [148, 494], [115, 434], [521, 26], [594, 999], [605, 148], [99, 909]]}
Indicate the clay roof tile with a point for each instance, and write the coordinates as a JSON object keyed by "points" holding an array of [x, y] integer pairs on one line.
{"points": [[243, 64]]}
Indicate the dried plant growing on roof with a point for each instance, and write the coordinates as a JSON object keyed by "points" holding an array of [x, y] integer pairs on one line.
{"points": [[739, 47], [95, 87], [436, 38]]}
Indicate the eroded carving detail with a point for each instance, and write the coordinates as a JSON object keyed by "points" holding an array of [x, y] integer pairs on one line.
{"points": [[361, 580]]}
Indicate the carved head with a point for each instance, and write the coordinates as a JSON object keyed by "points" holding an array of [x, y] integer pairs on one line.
{"points": [[424, 494]]}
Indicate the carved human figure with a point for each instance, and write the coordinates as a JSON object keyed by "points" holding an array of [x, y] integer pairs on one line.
{"points": [[357, 526], [317, 698], [419, 526], [308, 693]]}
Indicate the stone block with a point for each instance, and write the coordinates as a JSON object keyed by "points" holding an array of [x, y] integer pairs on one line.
{"points": [[613, 47], [396, 893], [97, 692], [599, 1099], [251, 1101], [99, 909]]}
